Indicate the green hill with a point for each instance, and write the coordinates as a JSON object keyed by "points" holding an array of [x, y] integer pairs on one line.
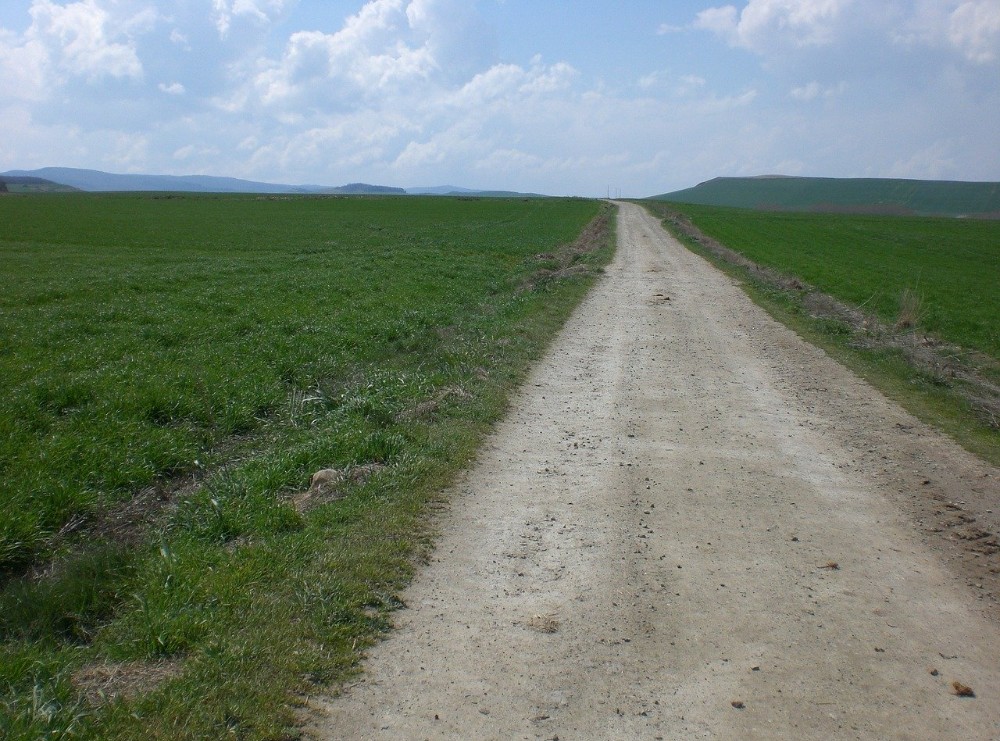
{"points": [[851, 195], [15, 184]]}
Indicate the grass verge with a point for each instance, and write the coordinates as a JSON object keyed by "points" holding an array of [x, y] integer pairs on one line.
{"points": [[227, 349], [950, 386]]}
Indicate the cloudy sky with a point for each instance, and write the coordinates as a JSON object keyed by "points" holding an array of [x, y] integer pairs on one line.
{"points": [[555, 96]]}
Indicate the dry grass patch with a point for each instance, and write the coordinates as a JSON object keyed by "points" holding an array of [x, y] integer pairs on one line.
{"points": [[911, 310], [106, 682], [428, 407]]}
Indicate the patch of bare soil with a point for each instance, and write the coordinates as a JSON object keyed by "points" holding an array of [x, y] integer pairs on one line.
{"points": [[695, 525]]}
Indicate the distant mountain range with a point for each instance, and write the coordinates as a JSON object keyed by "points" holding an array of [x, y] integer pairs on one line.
{"points": [[847, 195], [454, 190], [69, 178], [767, 192]]}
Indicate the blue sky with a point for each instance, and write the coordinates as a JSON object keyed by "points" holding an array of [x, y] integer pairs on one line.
{"points": [[566, 98]]}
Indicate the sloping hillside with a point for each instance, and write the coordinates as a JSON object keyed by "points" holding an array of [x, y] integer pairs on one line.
{"points": [[14, 184], [858, 195]]}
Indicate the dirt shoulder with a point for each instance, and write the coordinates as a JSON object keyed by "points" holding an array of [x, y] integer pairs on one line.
{"points": [[692, 524]]}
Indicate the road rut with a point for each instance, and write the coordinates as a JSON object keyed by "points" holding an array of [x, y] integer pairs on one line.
{"points": [[692, 524]]}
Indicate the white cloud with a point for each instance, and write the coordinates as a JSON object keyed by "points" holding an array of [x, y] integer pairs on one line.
{"points": [[814, 90], [421, 14], [650, 80], [689, 84], [806, 92], [763, 25], [93, 40], [664, 28], [383, 46], [125, 151], [719, 104], [682, 86], [420, 154], [723, 21], [771, 27], [192, 152], [974, 29], [174, 88], [132, 25], [506, 83], [496, 82], [258, 12], [82, 41], [542, 79], [23, 67]]}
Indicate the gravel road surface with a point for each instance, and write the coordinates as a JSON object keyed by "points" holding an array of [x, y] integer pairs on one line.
{"points": [[693, 524]]}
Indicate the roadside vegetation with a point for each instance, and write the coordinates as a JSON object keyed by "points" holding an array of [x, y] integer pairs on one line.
{"points": [[176, 368], [909, 302]]}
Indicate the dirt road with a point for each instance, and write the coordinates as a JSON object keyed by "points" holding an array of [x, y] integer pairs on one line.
{"points": [[692, 525]]}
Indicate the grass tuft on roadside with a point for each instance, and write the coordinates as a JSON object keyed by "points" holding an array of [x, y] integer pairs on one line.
{"points": [[911, 310]]}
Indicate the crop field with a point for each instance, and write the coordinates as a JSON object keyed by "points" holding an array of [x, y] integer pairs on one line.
{"points": [[951, 266], [174, 370]]}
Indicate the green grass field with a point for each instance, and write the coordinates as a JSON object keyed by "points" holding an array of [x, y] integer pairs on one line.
{"points": [[175, 368], [953, 265]]}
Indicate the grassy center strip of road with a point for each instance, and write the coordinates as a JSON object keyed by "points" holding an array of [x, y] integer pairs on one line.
{"points": [[909, 303], [177, 368]]}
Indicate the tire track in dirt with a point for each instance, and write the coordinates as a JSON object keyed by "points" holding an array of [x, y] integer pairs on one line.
{"points": [[689, 526]]}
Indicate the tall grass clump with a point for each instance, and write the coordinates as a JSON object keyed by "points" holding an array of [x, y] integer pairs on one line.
{"points": [[911, 309], [176, 369]]}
